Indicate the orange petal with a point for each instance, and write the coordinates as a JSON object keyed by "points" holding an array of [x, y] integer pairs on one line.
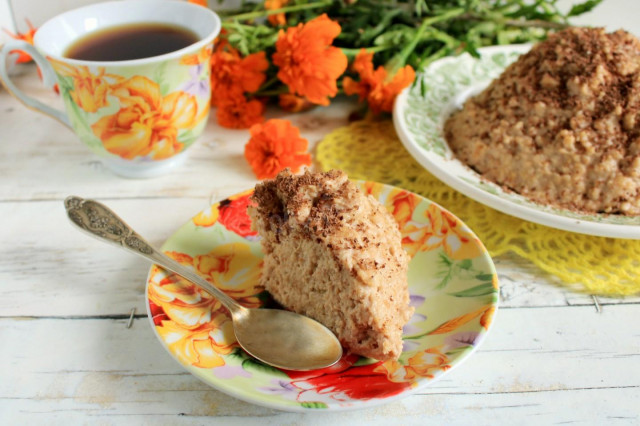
{"points": [[208, 217], [180, 109], [143, 87], [458, 322], [125, 143]]}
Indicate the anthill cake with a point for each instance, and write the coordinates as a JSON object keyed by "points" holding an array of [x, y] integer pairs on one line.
{"points": [[333, 253], [561, 125]]}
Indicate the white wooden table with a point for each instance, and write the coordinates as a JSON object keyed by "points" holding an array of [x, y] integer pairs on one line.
{"points": [[67, 356]]}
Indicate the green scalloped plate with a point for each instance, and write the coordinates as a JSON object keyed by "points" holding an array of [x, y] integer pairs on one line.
{"points": [[442, 87]]}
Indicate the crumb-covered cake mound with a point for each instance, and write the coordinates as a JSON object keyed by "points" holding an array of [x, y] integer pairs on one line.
{"points": [[561, 125], [334, 254]]}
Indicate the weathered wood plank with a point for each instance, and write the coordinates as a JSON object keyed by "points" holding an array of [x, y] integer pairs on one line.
{"points": [[49, 268], [589, 406], [542, 364]]}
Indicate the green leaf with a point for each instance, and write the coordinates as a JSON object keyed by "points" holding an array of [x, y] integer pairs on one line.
{"points": [[395, 35], [581, 8], [250, 39], [78, 119], [187, 138], [251, 364], [444, 259], [471, 48], [314, 405], [65, 84], [445, 281], [459, 350], [446, 272], [484, 277], [237, 353], [479, 290], [158, 77], [465, 264], [372, 31]]}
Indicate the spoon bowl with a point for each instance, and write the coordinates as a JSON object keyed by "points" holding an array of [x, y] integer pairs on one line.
{"points": [[303, 344], [282, 339]]}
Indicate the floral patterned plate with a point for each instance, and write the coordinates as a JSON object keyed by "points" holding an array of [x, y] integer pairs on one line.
{"points": [[419, 115], [452, 281]]}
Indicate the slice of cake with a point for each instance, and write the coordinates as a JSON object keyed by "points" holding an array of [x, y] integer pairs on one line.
{"points": [[333, 253]]}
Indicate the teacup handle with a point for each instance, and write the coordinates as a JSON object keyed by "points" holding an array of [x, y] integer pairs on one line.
{"points": [[48, 77]]}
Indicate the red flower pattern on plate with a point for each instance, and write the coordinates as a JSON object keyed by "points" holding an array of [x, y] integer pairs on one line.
{"points": [[234, 216]]}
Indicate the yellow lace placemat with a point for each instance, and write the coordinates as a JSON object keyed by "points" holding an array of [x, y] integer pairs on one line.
{"points": [[370, 150]]}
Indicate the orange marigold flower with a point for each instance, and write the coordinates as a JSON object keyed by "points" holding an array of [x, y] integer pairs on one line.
{"points": [[308, 64], [28, 37], [200, 2], [238, 113], [293, 103], [232, 75], [277, 19], [376, 86], [274, 146]]}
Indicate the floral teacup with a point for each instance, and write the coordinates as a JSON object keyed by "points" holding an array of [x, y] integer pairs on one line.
{"points": [[138, 116]]}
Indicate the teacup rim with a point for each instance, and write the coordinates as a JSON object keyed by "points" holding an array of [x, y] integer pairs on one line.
{"points": [[201, 43]]}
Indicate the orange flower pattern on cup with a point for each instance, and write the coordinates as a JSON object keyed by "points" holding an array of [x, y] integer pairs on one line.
{"points": [[90, 90], [202, 57], [148, 122]]}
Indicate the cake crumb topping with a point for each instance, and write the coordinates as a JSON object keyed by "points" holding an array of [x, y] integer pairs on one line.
{"points": [[334, 253], [561, 124]]}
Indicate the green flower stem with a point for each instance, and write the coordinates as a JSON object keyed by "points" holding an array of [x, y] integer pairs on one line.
{"points": [[400, 59], [418, 336], [274, 92], [352, 52], [261, 13], [434, 33], [444, 17], [269, 83], [440, 53], [520, 23], [236, 24]]}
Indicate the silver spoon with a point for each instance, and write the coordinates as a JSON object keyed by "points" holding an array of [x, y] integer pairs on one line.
{"points": [[276, 337]]}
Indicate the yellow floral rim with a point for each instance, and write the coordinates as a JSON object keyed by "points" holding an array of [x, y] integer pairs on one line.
{"points": [[371, 150]]}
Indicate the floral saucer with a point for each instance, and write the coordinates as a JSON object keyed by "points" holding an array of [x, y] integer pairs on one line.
{"points": [[452, 281], [442, 87]]}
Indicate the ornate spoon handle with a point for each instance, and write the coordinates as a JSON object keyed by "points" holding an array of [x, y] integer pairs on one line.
{"points": [[101, 222]]}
